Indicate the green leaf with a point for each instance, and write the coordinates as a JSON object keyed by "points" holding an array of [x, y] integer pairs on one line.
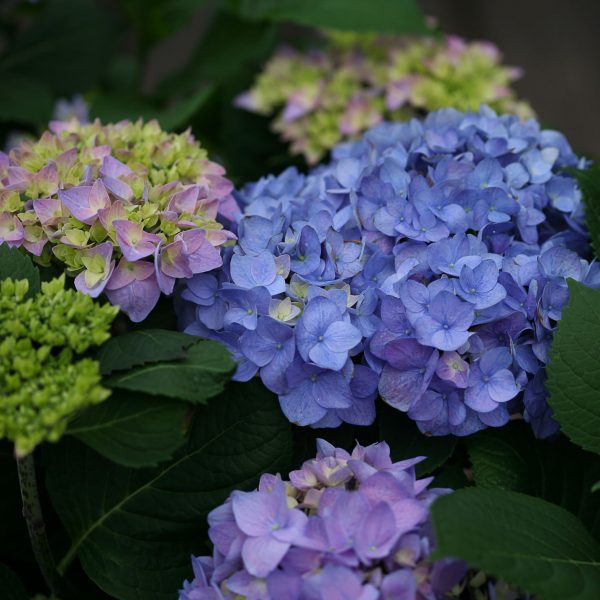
{"points": [[113, 107], [132, 429], [11, 587], [203, 374], [230, 48], [178, 115], [385, 16], [14, 539], [406, 441], [141, 347], [156, 19], [16, 265], [510, 458], [589, 181], [66, 47], [574, 369], [25, 100], [525, 541], [134, 530]]}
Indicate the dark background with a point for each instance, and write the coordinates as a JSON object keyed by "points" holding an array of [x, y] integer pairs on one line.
{"points": [[558, 46], [556, 43]]}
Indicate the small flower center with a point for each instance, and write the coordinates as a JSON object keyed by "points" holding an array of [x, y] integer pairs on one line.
{"points": [[320, 338], [250, 311], [313, 378]]}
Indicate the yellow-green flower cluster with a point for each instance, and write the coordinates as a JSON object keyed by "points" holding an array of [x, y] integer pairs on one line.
{"points": [[327, 96], [126, 208], [43, 379]]}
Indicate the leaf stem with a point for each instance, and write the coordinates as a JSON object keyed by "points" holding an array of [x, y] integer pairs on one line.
{"points": [[32, 512]]}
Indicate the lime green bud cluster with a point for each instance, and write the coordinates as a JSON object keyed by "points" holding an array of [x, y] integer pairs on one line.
{"points": [[327, 96], [43, 381]]}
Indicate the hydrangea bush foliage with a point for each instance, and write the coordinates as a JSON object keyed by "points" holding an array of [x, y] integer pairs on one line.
{"points": [[427, 263], [323, 97], [127, 209], [429, 280], [44, 380]]}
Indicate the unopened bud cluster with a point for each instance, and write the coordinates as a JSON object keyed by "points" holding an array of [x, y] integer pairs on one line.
{"points": [[43, 379]]}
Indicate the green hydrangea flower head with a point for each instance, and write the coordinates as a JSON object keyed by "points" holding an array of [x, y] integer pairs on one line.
{"points": [[125, 208], [329, 95], [44, 379]]}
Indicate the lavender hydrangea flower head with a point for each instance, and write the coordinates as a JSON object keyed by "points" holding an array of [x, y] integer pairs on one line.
{"points": [[127, 208], [345, 525], [427, 263], [355, 81]]}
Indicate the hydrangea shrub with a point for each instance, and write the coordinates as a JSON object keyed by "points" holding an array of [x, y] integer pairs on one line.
{"points": [[127, 209], [323, 97], [44, 380], [426, 263], [345, 525]]}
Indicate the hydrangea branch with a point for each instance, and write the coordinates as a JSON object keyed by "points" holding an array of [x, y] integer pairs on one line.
{"points": [[32, 512]]}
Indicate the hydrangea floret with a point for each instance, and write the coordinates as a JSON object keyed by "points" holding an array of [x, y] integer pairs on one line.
{"points": [[428, 262], [44, 381], [353, 526], [127, 209], [329, 95]]}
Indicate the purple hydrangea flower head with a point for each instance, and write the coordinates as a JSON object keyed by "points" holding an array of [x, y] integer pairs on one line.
{"points": [[88, 196], [427, 263], [347, 525]]}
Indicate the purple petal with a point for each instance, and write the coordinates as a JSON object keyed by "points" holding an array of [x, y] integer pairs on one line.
{"points": [[261, 555]]}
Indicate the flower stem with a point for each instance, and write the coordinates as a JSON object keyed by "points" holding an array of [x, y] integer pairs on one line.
{"points": [[32, 512]]}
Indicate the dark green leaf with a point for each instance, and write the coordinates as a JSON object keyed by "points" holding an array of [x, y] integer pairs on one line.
{"points": [[228, 49], [385, 16], [16, 265], [65, 47], [178, 115], [156, 19], [112, 107], [406, 441], [589, 181], [527, 542], [118, 106], [132, 429], [25, 100], [11, 587], [510, 458], [200, 376], [14, 539], [574, 369], [136, 348], [451, 476], [134, 530], [345, 436]]}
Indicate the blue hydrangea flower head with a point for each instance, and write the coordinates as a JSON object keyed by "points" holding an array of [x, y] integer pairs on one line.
{"points": [[426, 263]]}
